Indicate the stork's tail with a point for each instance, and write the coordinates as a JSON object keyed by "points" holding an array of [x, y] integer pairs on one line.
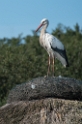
{"points": [[67, 64]]}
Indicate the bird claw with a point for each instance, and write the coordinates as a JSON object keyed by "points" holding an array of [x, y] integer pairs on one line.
{"points": [[45, 76]]}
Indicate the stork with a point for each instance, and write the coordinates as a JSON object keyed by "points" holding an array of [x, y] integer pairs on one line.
{"points": [[53, 46]]}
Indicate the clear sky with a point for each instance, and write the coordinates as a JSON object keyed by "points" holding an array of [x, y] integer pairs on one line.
{"points": [[23, 16]]}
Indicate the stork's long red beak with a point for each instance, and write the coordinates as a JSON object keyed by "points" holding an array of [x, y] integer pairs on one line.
{"points": [[38, 27]]}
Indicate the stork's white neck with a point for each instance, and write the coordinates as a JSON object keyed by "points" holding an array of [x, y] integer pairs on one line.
{"points": [[43, 30]]}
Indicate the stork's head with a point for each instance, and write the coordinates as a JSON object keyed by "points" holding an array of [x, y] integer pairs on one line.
{"points": [[44, 23]]}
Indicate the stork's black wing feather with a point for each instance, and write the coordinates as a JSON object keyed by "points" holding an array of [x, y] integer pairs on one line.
{"points": [[62, 53]]}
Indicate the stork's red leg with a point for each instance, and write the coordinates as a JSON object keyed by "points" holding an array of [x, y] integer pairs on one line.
{"points": [[53, 65], [48, 66]]}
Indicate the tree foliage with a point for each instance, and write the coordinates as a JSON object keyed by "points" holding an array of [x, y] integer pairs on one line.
{"points": [[20, 62]]}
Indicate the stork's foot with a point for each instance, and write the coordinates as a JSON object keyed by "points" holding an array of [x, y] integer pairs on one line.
{"points": [[49, 76], [53, 76], [45, 76]]}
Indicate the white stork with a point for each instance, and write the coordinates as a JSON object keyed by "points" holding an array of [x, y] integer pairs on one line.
{"points": [[53, 46]]}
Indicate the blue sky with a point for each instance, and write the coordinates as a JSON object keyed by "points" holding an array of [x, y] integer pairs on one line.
{"points": [[23, 16]]}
